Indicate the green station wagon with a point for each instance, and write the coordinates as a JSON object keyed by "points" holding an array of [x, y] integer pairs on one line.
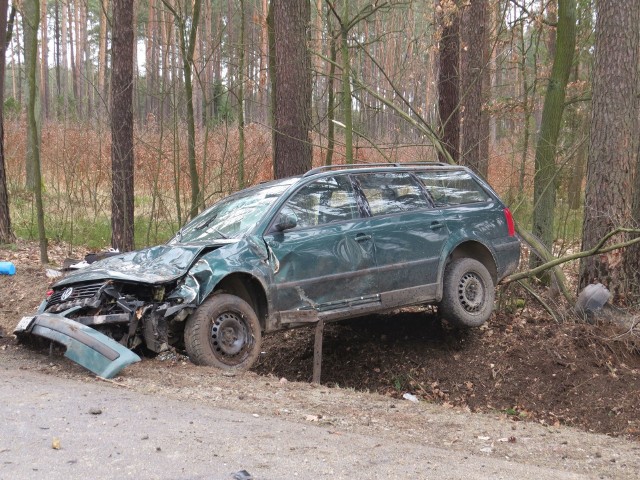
{"points": [[336, 243]]}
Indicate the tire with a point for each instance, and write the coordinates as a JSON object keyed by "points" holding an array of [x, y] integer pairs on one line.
{"points": [[223, 332], [468, 293]]}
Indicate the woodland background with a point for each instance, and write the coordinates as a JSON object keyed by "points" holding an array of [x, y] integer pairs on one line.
{"points": [[538, 96]]}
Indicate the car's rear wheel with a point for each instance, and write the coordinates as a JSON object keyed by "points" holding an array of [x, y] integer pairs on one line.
{"points": [[223, 332], [468, 293]]}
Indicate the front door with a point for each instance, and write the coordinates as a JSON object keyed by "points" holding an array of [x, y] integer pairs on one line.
{"points": [[326, 261]]}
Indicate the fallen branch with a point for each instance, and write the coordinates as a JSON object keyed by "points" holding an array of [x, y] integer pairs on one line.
{"points": [[599, 248], [542, 252], [524, 284]]}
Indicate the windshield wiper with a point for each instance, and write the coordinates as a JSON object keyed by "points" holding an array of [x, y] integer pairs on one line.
{"points": [[207, 224], [220, 233]]}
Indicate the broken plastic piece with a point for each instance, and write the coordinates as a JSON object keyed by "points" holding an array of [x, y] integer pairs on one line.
{"points": [[87, 347], [410, 397], [592, 298], [52, 273], [242, 475]]}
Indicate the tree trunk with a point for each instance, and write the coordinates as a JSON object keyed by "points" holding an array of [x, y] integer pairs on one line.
{"points": [[241, 73], [30, 32], [17, 50], [264, 63], [149, 64], [57, 58], [87, 65], [292, 119], [613, 152], [448, 84], [6, 235], [122, 161], [31, 18], [331, 102], [346, 88], [65, 56], [102, 57], [545, 179], [472, 72], [74, 77], [187, 63], [44, 60]]}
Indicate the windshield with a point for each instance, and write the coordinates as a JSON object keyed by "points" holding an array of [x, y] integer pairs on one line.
{"points": [[233, 216]]}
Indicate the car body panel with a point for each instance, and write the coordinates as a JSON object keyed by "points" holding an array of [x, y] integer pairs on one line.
{"points": [[408, 247], [160, 264], [87, 347], [241, 257], [343, 258]]}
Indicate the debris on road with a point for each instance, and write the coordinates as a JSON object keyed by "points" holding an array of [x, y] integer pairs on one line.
{"points": [[410, 397]]}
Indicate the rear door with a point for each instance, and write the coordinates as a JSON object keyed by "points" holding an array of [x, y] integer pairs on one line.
{"points": [[472, 213], [408, 233], [326, 261]]}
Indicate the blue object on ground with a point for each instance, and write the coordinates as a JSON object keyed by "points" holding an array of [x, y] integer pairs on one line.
{"points": [[7, 268]]}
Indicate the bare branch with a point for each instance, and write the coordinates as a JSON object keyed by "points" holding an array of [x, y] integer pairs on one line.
{"points": [[597, 249], [524, 284], [535, 16]]}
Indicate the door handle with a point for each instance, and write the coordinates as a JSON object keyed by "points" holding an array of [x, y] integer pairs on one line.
{"points": [[436, 225], [361, 237]]}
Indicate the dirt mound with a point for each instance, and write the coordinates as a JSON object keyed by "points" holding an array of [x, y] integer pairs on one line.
{"points": [[524, 365]]}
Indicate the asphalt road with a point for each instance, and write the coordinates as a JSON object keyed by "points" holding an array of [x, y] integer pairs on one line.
{"points": [[57, 428]]}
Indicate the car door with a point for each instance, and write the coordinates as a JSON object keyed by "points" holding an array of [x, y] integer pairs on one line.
{"points": [[408, 233], [325, 262]]}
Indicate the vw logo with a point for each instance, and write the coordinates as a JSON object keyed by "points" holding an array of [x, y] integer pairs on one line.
{"points": [[66, 294]]}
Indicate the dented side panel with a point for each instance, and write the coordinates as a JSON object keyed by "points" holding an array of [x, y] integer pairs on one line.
{"points": [[248, 256], [323, 265], [408, 247]]}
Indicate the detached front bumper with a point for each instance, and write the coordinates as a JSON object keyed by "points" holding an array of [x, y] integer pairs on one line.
{"points": [[87, 347]]}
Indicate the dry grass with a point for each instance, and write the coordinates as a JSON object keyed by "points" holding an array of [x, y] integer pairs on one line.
{"points": [[76, 169]]}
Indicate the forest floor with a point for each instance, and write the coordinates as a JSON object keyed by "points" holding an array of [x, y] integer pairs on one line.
{"points": [[522, 366]]}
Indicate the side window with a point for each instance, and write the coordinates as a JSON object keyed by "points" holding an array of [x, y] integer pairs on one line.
{"points": [[452, 188], [324, 201], [391, 192]]}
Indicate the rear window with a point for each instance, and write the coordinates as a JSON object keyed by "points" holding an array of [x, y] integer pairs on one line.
{"points": [[453, 188], [391, 192]]}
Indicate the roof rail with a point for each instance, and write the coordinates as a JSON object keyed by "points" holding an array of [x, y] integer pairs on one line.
{"points": [[313, 171]]}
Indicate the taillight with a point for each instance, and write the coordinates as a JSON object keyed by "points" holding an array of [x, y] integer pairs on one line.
{"points": [[510, 225], [49, 293]]}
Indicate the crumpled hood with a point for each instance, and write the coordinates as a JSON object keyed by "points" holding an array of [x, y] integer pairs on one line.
{"points": [[160, 264]]}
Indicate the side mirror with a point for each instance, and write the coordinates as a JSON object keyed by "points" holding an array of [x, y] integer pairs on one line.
{"points": [[286, 221]]}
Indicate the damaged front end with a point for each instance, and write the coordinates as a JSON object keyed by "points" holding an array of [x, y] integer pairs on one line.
{"points": [[101, 322], [131, 313]]}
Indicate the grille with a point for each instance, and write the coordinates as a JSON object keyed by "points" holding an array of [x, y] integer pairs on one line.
{"points": [[79, 292]]}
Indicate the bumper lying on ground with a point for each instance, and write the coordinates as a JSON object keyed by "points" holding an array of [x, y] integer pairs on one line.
{"points": [[87, 347]]}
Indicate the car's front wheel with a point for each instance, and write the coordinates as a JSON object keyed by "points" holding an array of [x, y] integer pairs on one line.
{"points": [[223, 332], [468, 293]]}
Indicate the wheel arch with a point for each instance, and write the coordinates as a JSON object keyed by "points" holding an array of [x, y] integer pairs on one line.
{"points": [[248, 288], [478, 251]]}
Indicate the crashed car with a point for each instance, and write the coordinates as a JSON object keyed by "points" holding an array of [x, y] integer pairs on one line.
{"points": [[335, 243]]}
